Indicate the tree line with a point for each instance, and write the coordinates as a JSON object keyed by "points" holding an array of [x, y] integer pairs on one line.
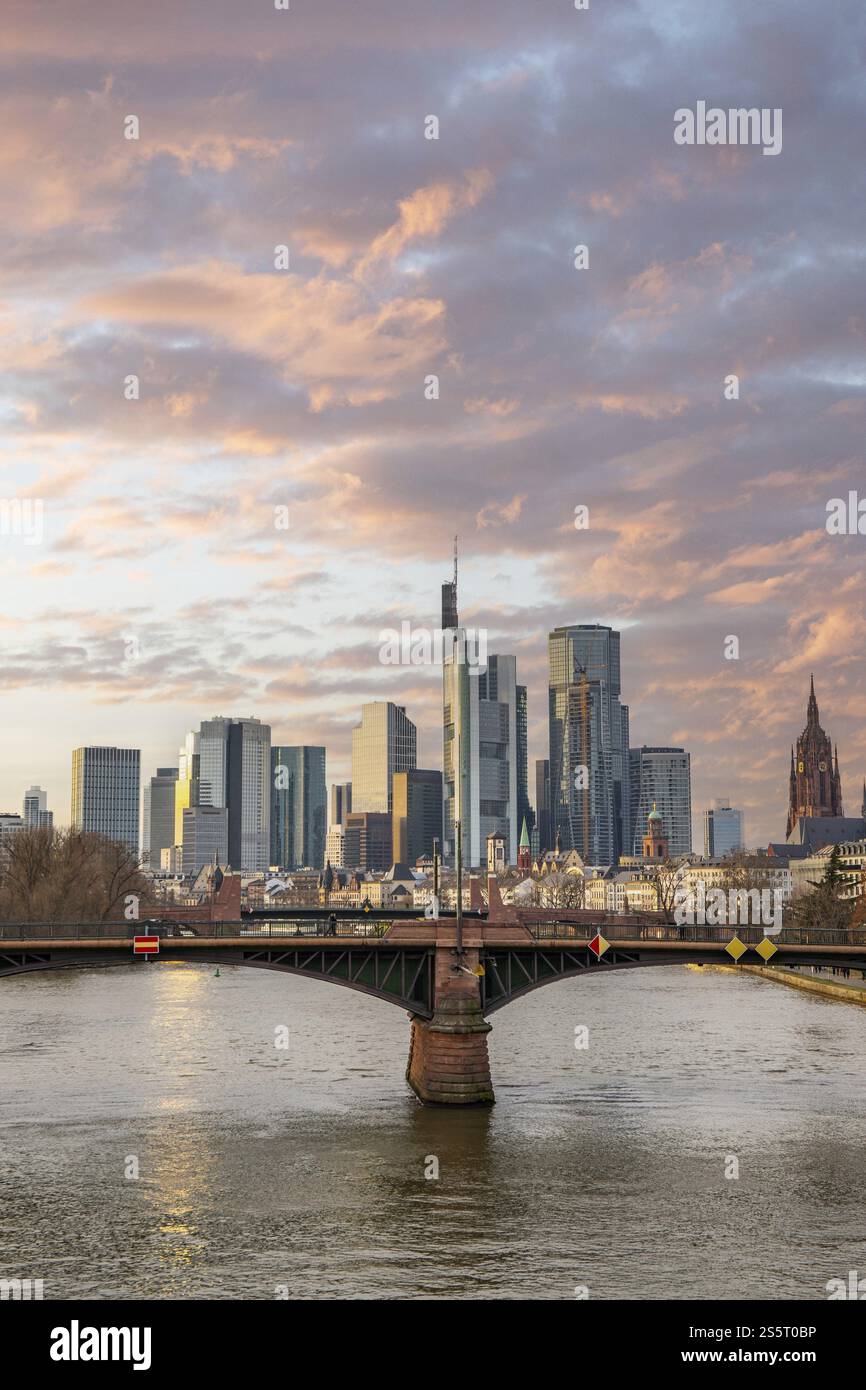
{"points": [[57, 876]]}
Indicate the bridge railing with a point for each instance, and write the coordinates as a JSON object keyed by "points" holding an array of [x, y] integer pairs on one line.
{"points": [[125, 931], [554, 929]]}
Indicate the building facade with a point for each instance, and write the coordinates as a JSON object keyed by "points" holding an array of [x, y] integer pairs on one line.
{"points": [[106, 793], [661, 777], [367, 841], [383, 743], [35, 812], [479, 750], [723, 830], [339, 803], [589, 767], [205, 837], [186, 788], [416, 815], [158, 816], [235, 775], [542, 805], [299, 806]]}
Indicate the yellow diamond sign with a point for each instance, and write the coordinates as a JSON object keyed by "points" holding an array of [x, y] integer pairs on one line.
{"points": [[766, 949], [736, 948]]}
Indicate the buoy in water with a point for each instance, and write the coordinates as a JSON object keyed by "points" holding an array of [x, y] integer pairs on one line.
{"points": [[217, 973]]}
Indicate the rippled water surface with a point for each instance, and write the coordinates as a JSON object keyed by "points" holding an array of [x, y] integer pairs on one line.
{"points": [[261, 1167]]}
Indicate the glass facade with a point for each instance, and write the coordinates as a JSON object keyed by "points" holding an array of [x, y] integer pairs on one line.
{"points": [[106, 793]]}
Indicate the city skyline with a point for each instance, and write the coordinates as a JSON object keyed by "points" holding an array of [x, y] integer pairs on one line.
{"points": [[282, 488]]}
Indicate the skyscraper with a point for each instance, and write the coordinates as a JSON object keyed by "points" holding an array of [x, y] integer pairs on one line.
{"points": [[815, 787], [383, 743], [542, 803], [524, 807], [723, 830], [36, 813], [588, 759], [205, 837], [157, 816], [480, 749], [416, 814], [186, 788], [661, 777], [235, 774], [298, 807], [105, 793], [340, 803]]}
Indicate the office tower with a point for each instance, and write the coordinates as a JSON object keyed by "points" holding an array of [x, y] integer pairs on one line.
{"points": [[205, 837], [815, 787], [449, 599], [588, 760], [340, 803], [235, 774], [416, 815], [542, 804], [105, 793], [335, 846], [480, 750], [367, 841], [383, 743], [524, 808], [298, 807], [661, 777], [723, 830], [186, 788], [36, 813], [157, 816]]}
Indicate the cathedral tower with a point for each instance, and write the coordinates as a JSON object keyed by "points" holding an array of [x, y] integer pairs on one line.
{"points": [[815, 787]]}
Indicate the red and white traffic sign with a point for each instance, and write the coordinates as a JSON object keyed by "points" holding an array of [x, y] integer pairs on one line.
{"points": [[145, 945]]}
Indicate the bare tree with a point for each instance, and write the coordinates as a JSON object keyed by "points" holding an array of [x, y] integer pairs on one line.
{"points": [[67, 876]]}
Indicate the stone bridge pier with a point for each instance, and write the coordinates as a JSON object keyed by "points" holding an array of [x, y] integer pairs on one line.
{"points": [[448, 1058]]}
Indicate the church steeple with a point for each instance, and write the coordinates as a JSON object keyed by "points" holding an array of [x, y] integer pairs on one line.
{"points": [[815, 782]]}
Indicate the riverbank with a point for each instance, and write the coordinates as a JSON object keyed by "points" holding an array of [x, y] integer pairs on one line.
{"points": [[812, 984]]}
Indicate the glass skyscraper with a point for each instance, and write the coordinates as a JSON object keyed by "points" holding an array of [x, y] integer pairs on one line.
{"points": [[588, 743], [298, 807], [661, 777], [383, 743]]}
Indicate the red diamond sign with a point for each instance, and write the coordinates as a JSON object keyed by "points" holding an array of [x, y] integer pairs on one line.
{"points": [[598, 945]]}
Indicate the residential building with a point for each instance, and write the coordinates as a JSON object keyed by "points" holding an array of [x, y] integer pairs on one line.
{"points": [[36, 813]]}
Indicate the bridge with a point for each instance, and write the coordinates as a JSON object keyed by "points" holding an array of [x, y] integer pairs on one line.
{"points": [[415, 963]]}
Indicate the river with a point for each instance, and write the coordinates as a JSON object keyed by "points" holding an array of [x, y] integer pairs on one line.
{"points": [[266, 1170]]}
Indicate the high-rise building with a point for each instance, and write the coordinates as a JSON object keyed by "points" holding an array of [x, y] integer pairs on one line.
{"points": [[186, 788], [235, 774], [335, 847], [723, 830], [205, 837], [661, 778], [480, 750], [340, 803], [815, 787], [383, 743], [157, 816], [298, 807], [367, 841], [36, 813], [542, 804], [524, 807], [105, 793], [416, 816], [10, 824], [589, 769]]}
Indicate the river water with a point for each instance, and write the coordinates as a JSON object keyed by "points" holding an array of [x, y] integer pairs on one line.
{"points": [[264, 1169]]}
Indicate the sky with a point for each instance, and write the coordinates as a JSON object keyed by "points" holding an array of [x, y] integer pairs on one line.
{"points": [[236, 539]]}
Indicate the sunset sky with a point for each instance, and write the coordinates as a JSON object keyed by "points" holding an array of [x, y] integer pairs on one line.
{"points": [[263, 388]]}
